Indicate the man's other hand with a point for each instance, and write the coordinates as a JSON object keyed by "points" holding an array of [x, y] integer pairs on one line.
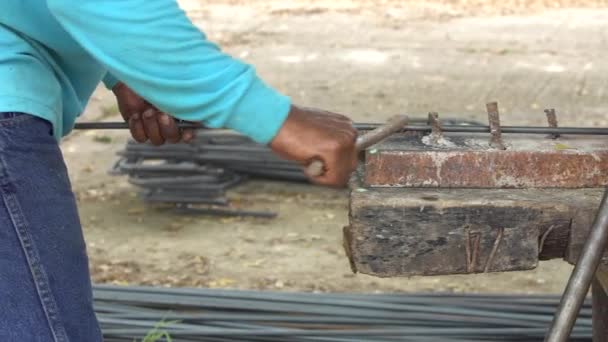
{"points": [[146, 122], [311, 134]]}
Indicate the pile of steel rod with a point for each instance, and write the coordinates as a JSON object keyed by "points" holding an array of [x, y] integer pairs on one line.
{"points": [[211, 152], [200, 172], [130, 313]]}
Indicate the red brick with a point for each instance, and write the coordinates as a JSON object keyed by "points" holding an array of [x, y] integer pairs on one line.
{"points": [[466, 161]]}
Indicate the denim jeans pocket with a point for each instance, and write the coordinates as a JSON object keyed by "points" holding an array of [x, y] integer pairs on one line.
{"points": [[7, 118], [13, 119]]}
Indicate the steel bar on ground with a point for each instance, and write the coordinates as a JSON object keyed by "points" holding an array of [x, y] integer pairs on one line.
{"points": [[224, 212], [581, 278]]}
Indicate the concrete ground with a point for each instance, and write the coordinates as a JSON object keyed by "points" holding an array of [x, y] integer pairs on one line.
{"points": [[369, 60]]}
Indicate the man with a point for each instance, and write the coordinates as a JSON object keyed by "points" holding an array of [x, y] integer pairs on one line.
{"points": [[53, 53]]}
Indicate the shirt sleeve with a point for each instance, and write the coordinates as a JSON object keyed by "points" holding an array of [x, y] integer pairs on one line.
{"points": [[154, 48], [110, 81]]}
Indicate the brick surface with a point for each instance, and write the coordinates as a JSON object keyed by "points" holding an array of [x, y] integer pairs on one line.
{"points": [[467, 161]]}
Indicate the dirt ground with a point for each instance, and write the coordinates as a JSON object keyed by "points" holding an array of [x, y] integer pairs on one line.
{"points": [[367, 59]]}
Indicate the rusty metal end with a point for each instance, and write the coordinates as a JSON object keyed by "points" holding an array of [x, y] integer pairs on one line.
{"points": [[495, 131], [436, 129], [552, 120], [394, 125]]}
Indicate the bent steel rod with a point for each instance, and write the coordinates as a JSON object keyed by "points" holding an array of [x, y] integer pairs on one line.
{"points": [[411, 128]]}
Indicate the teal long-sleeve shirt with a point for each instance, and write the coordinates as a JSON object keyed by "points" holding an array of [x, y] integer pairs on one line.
{"points": [[53, 54]]}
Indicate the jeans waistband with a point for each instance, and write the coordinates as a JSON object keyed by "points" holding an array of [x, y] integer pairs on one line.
{"points": [[10, 115]]}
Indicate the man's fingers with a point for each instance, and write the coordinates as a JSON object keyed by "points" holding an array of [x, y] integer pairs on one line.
{"points": [[318, 135], [158, 128], [168, 128], [346, 136], [136, 126], [152, 127], [332, 177], [333, 117], [128, 101], [187, 135], [340, 119], [340, 160]]}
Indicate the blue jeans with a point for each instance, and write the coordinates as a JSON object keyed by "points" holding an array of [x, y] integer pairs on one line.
{"points": [[45, 288]]}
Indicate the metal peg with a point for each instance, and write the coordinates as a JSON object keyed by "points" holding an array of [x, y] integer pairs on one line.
{"points": [[494, 119], [552, 120], [436, 130]]}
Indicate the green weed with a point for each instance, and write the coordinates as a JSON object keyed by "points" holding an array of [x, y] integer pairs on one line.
{"points": [[158, 334], [104, 139]]}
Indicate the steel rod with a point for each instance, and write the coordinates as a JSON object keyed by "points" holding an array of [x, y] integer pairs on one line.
{"points": [[581, 278], [124, 125], [414, 128]]}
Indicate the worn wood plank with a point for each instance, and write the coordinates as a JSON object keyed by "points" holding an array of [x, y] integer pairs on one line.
{"points": [[405, 232], [587, 206]]}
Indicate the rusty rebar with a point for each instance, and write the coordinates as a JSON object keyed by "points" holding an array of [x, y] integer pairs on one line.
{"points": [[436, 130], [552, 121], [495, 130]]}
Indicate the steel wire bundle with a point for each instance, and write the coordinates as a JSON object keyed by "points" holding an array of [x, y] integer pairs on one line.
{"points": [[200, 172], [129, 313]]}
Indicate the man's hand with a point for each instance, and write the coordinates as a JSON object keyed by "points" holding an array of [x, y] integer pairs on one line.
{"points": [[146, 121], [310, 134]]}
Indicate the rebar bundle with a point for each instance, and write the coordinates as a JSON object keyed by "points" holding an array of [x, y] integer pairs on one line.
{"points": [[202, 171], [129, 313]]}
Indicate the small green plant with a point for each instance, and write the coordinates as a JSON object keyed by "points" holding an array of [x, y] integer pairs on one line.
{"points": [[158, 334], [104, 139]]}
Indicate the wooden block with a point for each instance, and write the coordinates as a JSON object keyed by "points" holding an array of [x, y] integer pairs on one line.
{"points": [[588, 205], [467, 161], [406, 232]]}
